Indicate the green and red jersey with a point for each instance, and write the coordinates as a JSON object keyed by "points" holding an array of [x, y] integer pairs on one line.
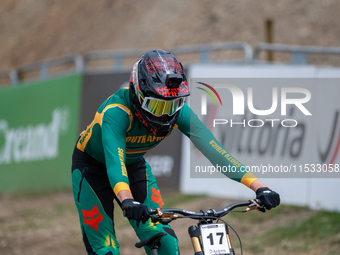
{"points": [[117, 138]]}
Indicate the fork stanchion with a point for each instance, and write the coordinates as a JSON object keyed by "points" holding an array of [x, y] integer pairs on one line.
{"points": [[195, 233]]}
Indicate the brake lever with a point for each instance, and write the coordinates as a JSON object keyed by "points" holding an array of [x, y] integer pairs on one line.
{"points": [[259, 202], [163, 218], [163, 221], [256, 204]]}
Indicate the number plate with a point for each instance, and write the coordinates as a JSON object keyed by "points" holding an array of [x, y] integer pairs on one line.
{"points": [[214, 239]]}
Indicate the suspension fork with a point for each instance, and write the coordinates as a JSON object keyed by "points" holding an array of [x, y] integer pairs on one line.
{"points": [[232, 252], [195, 234]]}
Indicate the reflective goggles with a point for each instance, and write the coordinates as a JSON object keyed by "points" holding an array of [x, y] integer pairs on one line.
{"points": [[159, 107]]}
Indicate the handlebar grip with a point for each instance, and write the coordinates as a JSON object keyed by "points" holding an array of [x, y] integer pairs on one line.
{"points": [[152, 211], [259, 201]]}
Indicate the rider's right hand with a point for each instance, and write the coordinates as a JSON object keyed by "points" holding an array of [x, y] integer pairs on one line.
{"points": [[135, 211]]}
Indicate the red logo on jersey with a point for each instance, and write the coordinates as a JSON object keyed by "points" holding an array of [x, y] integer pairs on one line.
{"points": [[93, 217], [156, 197]]}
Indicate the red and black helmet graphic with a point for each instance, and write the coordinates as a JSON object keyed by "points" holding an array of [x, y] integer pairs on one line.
{"points": [[161, 75], [157, 74]]}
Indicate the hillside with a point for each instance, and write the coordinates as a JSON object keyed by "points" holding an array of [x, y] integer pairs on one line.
{"points": [[33, 30]]}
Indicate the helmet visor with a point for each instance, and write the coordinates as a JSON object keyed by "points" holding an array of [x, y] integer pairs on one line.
{"points": [[159, 107]]}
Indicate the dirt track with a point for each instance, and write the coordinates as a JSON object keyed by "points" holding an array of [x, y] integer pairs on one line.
{"points": [[48, 224]]}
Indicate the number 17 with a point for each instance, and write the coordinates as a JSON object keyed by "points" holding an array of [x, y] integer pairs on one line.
{"points": [[210, 237]]}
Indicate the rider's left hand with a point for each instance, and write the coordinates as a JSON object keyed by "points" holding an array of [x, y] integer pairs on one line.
{"points": [[269, 198]]}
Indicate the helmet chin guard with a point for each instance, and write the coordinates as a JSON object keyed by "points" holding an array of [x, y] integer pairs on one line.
{"points": [[158, 88]]}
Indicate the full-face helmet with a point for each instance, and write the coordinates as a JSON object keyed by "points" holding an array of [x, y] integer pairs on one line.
{"points": [[158, 88]]}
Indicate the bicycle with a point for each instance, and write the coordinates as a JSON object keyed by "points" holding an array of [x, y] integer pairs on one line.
{"points": [[208, 236]]}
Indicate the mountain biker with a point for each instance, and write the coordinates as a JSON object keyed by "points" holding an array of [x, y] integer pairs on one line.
{"points": [[108, 160]]}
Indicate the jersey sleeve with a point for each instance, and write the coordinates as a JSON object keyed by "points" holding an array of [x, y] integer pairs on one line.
{"points": [[190, 125], [114, 126]]}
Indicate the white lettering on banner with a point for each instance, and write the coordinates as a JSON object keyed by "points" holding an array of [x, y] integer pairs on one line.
{"points": [[33, 143], [161, 165]]}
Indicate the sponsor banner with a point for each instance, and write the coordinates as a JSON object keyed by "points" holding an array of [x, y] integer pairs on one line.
{"points": [[38, 129], [315, 193], [276, 127]]}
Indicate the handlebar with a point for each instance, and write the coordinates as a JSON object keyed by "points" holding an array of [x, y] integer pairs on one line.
{"points": [[170, 214]]}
